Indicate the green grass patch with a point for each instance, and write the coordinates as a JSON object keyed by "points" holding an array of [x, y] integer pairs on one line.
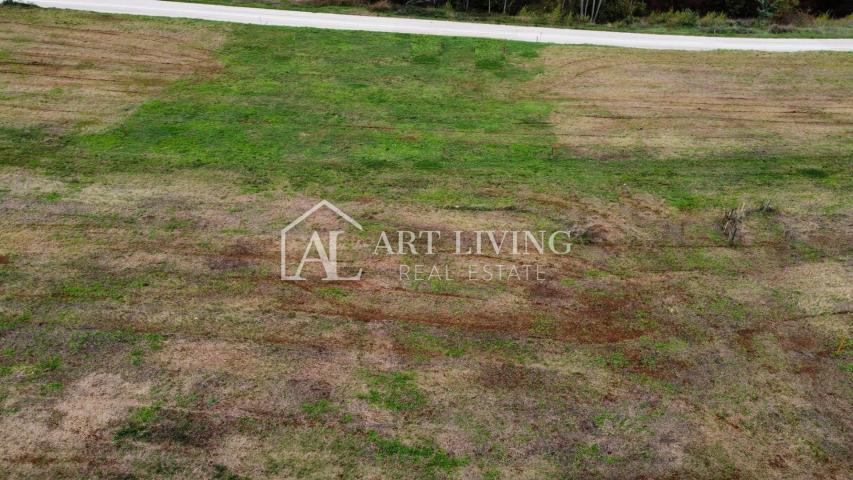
{"points": [[97, 284], [332, 292], [490, 56], [138, 425], [615, 361], [427, 457], [156, 423], [395, 391], [423, 344], [426, 50], [422, 120], [50, 197], [544, 326], [80, 341], [51, 387], [10, 321], [317, 410]]}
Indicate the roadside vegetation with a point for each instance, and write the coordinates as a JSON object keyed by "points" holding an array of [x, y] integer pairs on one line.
{"points": [[701, 327], [752, 18]]}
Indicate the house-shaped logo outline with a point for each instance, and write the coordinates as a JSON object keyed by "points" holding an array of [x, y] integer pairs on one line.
{"points": [[321, 204]]}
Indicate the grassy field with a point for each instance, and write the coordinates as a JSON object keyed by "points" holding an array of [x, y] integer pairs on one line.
{"points": [[146, 167], [667, 23]]}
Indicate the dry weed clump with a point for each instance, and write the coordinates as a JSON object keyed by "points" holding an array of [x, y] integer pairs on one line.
{"points": [[732, 222]]}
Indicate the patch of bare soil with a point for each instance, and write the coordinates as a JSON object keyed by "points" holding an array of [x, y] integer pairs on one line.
{"points": [[618, 103], [63, 75], [36, 436]]}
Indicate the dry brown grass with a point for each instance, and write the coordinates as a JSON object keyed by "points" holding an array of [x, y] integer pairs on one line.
{"points": [[617, 102], [264, 348], [820, 287], [642, 352], [62, 433], [59, 72]]}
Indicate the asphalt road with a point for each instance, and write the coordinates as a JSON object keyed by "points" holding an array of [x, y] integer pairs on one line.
{"points": [[261, 16]]}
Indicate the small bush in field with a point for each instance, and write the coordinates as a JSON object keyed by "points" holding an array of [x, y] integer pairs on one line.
{"points": [[714, 20], [823, 20], [448, 9], [556, 16], [683, 18], [675, 18]]}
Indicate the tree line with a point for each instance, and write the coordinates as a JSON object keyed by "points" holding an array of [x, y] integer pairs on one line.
{"points": [[616, 10]]}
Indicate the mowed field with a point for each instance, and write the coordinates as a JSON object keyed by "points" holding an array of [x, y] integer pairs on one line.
{"points": [[147, 166]]}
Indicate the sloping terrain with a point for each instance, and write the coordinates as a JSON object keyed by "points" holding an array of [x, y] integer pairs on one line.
{"points": [[144, 331]]}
